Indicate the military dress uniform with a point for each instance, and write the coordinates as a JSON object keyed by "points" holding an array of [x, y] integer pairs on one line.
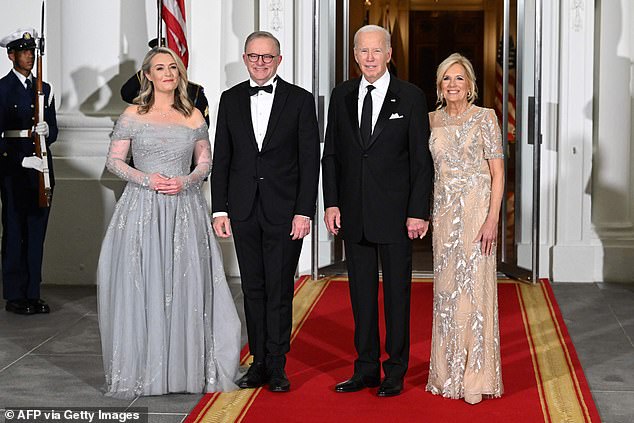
{"points": [[23, 221]]}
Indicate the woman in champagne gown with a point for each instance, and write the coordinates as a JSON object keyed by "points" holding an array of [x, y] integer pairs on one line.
{"points": [[167, 318], [466, 147]]}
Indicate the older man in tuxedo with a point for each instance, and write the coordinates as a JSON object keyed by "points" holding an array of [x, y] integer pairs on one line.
{"points": [[377, 179], [264, 190]]}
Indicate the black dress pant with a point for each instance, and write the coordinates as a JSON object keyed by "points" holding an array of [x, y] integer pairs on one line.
{"points": [[267, 257], [363, 268], [23, 231]]}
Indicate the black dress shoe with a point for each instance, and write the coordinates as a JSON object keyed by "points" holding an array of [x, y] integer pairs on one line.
{"points": [[20, 307], [278, 381], [390, 387], [40, 306], [254, 378], [357, 383]]}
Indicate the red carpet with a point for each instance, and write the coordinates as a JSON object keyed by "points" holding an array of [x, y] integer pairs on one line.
{"points": [[542, 376]]}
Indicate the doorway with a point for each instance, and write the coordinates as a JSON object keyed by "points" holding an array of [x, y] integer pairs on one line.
{"points": [[502, 39], [434, 35]]}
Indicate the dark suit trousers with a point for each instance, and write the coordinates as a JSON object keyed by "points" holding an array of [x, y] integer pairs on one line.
{"points": [[362, 262], [267, 258], [23, 231]]}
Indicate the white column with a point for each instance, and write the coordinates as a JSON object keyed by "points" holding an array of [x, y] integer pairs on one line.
{"points": [[93, 48], [612, 182], [576, 248], [292, 23], [278, 18]]}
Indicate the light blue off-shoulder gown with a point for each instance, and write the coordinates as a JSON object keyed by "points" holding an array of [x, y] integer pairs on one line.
{"points": [[167, 318]]}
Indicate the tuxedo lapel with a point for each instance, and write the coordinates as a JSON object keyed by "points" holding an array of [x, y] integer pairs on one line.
{"points": [[281, 94], [352, 105], [244, 100], [389, 107]]}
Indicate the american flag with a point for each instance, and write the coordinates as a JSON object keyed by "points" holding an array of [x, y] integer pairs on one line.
{"points": [[173, 12], [498, 86]]}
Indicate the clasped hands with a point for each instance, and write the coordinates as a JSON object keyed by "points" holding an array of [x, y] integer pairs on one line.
{"points": [[416, 228], [165, 185]]}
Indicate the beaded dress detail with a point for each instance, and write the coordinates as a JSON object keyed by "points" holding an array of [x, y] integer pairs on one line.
{"points": [[465, 350], [167, 318]]}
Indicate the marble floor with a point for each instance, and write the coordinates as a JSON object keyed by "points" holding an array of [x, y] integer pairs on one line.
{"points": [[55, 360]]}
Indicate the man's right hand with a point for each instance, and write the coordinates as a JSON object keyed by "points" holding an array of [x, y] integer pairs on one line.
{"points": [[332, 218], [222, 226]]}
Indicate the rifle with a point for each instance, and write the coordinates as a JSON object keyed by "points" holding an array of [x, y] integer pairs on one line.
{"points": [[45, 192]]}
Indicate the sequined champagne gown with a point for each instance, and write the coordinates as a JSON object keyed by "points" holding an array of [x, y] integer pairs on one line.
{"points": [[465, 351], [167, 318]]}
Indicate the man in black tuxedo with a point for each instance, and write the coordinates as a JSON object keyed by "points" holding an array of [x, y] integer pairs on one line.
{"points": [[377, 179], [264, 190]]}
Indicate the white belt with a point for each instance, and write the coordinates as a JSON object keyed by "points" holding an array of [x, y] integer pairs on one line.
{"points": [[17, 133]]}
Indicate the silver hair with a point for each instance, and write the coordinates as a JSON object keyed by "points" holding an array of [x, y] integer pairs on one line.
{"points": [[374, 28], [262, 34]]}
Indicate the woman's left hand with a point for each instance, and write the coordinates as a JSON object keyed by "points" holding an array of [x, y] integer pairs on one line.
{"points": [[171, 186], [487, 237]]}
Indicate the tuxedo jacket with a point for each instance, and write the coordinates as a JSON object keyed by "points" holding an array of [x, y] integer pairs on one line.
{"points": [[284, 173], [17, 107], [379, 185]]}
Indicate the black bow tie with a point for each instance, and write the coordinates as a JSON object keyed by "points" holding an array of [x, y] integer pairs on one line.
{"points": [[256, 89]]}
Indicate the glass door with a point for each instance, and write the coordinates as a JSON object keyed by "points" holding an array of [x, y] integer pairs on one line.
{"points": [[519, 58]]}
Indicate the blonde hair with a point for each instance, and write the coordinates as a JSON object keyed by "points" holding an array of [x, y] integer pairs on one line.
{"points": [[453, 59], [145, 99]]}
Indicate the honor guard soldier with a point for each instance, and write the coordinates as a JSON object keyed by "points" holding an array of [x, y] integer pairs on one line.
{"points": [[23, 219], [130, 90]]}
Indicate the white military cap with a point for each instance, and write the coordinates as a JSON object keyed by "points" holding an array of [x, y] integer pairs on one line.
{"points": [[22, 39]]}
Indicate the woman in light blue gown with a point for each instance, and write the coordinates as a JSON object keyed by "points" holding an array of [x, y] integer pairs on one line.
{"points": [[167, 318]]}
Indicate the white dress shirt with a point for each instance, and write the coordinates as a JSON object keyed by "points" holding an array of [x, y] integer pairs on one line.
{"points": [[261, 104], [22, 78], [378, 95]]}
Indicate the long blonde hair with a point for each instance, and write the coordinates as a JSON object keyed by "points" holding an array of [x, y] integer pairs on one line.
{"points": [[456, 58], [145, 99]]}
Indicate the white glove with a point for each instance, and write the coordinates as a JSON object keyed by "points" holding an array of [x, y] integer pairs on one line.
{"points": [[33, 162], [42, 129]]}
